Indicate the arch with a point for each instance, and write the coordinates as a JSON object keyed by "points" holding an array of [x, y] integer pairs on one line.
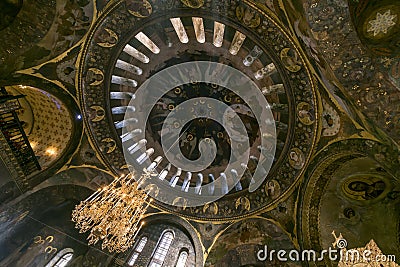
{"points": [[162, 247], [47, 123], [62, 258], [88, 177], [72, 112], [137, 250], [324, 196], [182, 258]]}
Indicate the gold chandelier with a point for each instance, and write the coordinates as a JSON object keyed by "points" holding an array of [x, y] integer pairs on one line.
{"points": [[113, 213]]}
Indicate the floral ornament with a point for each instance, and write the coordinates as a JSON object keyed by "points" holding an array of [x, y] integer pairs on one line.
{"points": [[382, 23]]}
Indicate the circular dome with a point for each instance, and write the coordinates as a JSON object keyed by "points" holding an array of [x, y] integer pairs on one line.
{"points": [[130, 48]]}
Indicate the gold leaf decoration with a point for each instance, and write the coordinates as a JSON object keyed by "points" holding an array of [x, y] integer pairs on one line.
{"points": [[272, 189], [243, 202], [140, 9], [290, 60], [94, 77], [99, 113], [111, 144], [193, 3], [305, 113], [108, 38], [296, 158], [211, 207]]}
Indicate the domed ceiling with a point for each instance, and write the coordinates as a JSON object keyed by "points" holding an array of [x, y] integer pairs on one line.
{"points": [[135, 44]]}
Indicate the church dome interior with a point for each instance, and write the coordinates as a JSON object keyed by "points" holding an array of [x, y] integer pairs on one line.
{"points": [[196, 133]]}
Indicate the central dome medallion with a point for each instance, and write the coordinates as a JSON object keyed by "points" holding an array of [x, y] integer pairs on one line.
{"points": [[175, 83]]}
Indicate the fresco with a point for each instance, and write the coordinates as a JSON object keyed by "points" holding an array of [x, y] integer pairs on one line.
{"points": [[239, 244]]}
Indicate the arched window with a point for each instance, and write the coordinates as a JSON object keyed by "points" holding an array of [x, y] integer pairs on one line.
{"points": [[183, 255], [139, 248], [162, 249], [62, 258]]}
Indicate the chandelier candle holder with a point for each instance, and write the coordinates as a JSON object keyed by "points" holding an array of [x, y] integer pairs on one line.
{"points": [[113, 213]]}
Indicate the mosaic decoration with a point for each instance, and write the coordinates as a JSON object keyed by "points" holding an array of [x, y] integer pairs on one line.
{"points": [[363, 64], [365, 187]]}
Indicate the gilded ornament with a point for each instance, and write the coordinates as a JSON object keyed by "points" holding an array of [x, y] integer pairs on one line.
{"points": [[107, 38], [211, 207], [38, 240], [193, 3], [305, 113], [362, 188], [330, 120], [382, 23], [296, 158], [181, 202], [272, 189], [99, 113], [94, 76], [140, 9], [111, 144], [290, 60], [113, 214], [50, 249], [243, 202]]}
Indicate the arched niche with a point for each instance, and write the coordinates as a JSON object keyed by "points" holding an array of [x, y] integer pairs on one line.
{"points": [[349, 190], [48, 122], [242, 241], [64, 113]]}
